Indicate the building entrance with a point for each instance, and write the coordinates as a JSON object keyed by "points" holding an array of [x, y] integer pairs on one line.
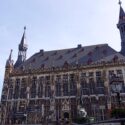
{"points": [[66, 115]]}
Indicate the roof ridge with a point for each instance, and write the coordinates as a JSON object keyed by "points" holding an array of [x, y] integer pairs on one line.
{"points": [[74, 48]]}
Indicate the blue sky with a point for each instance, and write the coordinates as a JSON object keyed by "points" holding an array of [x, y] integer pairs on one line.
{"points": [[56, 24]]}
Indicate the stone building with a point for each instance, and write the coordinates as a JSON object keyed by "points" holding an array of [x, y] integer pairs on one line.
{"points": [[53, 85]]}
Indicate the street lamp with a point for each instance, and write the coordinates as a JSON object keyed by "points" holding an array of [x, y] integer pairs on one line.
{"points": [[116, 87], [82, 111]]}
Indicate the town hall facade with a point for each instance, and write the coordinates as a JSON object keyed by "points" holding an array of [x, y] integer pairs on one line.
{"points": [[53, 85]]}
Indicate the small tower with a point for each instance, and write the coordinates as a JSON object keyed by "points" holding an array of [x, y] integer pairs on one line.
{"points": [[121, 27], [22, 50], [9, 65]]}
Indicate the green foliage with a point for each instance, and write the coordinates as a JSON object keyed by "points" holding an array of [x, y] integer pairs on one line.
{"points": [[80, 120], [118, 113]]}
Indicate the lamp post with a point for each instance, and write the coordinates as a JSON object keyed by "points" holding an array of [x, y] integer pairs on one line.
{"points": [[116, 87], [82, 110]]}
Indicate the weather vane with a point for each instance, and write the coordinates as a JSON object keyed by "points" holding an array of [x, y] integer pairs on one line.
{"points": [[24, 27], [120, 2]]}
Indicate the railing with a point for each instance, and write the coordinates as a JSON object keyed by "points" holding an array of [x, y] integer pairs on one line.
{"points": [[120, 121]]}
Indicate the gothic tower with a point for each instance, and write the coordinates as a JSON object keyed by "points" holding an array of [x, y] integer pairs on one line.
{"points": [[21, 50], [121, 27], [9, 66]]}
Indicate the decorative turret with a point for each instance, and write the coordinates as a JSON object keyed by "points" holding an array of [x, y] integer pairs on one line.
{"points": [[121, 27], [9, 65], [22, 50]]}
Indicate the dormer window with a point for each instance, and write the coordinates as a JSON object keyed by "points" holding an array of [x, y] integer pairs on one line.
{"points": [[81, 50], [68, 51], [104, 52], [33, 60], [97, 47], [47, 58], [66, 64], [55, 53], [90, 53], [43, 65], [115, 58], [60, 57], [89, 61], [75, 55]]}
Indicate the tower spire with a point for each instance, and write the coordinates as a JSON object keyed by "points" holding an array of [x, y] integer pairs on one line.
{"points": [[121, 27], [9, 60], [10, 57], [22, 50], [23, 40], [121, 12], [9, 65]]}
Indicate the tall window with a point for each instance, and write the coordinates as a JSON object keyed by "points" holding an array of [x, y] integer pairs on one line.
{"points": [[74, 108], [10, 95], [92, 86], [99, 83], [111, 74], [119, 74], [40, 87], [17, 88], [47, 86], [22, 106], [23, 88], [33, 87], [8, 107], [72, 82], [4, 90], [58, 109], [65, 85], [31, 105], [14, 106], [58, 85], [84, 84]]}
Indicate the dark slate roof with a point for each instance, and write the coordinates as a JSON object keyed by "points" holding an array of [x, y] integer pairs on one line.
{"points": [[79, 55]]}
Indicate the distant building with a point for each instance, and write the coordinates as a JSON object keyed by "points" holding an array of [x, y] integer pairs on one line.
{"points": [[52, 85]]}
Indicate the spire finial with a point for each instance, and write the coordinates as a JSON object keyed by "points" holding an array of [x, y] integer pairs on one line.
{"points": [[10, 54], [120, 2], [24, 28]]}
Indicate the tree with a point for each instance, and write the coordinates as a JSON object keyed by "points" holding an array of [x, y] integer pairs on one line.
{"points": [[118, 113]]}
